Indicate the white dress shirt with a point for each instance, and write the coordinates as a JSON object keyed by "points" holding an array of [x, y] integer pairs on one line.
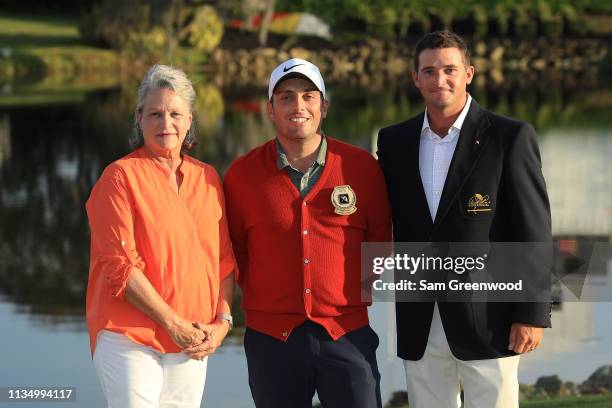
{"points": [[435, 155]]}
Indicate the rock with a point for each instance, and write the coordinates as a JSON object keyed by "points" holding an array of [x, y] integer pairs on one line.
{"points": [[260, 66], [497, 75], [282, 56], [552, 385], [243, 57], [376, 60], [523, 64], [480, 48], [364, 52], [497, 54], [359, 66], [599, 382], [397, 66], [375, 43], [268, 52], [352, 52], [299, 52], [231, 67], [539, 64], [481, 64], [577, 63], [218, 56]]}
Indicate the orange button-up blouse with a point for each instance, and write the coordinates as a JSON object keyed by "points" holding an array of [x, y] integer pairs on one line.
{"points": [[178, 239]]}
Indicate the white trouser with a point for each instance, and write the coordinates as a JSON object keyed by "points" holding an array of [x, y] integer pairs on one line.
{"points": [[435, 380], [136, 376]]}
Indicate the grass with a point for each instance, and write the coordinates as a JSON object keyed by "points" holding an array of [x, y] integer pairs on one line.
{"points": [[48, 52], [41, 99], [36, 31], [588, 401]]}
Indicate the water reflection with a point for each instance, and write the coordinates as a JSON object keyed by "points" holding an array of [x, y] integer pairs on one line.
{"points": [[52, 154], [579, 157]]}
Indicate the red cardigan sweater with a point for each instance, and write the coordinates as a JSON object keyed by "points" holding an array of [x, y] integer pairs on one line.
{"points": [[298, 259]]}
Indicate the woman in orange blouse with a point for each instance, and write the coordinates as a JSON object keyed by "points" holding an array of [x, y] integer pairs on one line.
{"points": [[162, 268]]}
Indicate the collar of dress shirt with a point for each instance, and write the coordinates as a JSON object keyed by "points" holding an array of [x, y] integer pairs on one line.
{"points": [[450, 137]]}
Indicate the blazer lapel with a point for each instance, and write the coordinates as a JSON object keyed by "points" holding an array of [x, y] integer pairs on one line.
{"points": [[472, 140]]}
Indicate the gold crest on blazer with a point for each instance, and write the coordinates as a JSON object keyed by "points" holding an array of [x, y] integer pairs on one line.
{"points": [[479, 203]]}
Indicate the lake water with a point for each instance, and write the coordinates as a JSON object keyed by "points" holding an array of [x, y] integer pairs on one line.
{"points": [[53, 146]]}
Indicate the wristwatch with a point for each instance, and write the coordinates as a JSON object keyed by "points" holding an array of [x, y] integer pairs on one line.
{"points": [[228, 318]]}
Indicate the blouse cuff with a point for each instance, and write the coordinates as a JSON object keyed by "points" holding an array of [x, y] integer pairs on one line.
{"points": [[118, 279]]}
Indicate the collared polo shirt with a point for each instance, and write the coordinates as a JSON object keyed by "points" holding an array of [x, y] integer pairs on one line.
{"points": [[303, 181]]}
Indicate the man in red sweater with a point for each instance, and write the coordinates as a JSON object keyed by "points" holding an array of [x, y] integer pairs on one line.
{"points": [[299, 207]]}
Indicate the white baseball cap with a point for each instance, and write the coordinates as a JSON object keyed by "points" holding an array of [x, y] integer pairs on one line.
{"points": [[296, 67]]}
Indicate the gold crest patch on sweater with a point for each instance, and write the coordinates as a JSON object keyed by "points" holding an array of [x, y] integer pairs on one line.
{"points": [[343, 199]]}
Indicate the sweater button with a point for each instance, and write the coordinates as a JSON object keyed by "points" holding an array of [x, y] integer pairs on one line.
{"points": [[305, 232], [306, 261], [284, 334], [307, 290]]}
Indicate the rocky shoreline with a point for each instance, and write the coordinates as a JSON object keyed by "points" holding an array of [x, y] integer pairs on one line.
{"points": [[389, 60], [369, 64]]}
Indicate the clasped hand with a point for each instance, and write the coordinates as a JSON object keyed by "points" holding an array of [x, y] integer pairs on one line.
{"points": [[214, 335], [197, 340]]}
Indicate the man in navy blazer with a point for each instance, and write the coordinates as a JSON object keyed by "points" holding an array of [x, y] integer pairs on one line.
{"points": [[439, 166]]}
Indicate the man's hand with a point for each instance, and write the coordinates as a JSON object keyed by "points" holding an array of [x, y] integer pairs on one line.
{"points": [[525, 337], [216, 332]]}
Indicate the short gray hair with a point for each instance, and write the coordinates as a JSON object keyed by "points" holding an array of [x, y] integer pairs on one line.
{"points": [[160, 77]]}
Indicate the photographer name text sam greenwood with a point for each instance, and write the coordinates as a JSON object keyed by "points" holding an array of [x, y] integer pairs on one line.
{"points": [[454, 285]]}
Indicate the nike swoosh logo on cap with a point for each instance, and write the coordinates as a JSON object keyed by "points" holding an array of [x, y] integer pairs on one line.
{"points": [[285, 69]]}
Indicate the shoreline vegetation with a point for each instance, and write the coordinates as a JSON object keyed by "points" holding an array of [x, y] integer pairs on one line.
{"points": [[44, 59], [591, 401], [550, 392], [52, 50]]}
